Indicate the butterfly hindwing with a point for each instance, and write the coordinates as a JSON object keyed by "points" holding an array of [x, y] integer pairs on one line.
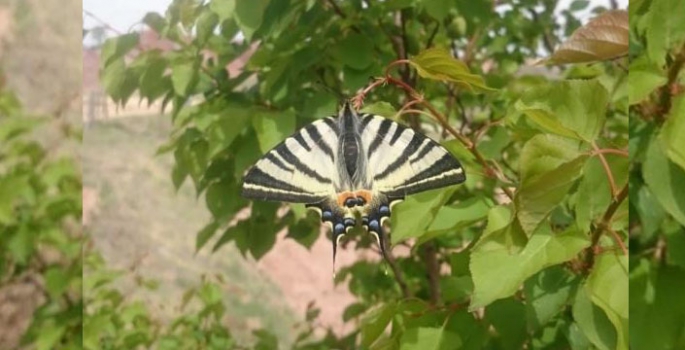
{"points": [[301, 169], [402, 161]]}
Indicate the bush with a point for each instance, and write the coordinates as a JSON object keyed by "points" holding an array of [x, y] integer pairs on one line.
{"points": [[529, 252]]}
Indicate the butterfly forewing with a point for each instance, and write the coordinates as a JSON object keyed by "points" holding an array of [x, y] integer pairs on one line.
{"points": [[403, 162], [301, 169]]}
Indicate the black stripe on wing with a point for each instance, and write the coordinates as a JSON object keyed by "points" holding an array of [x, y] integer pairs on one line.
{"points": [[446, 171], [408, 151], [260, 185]]}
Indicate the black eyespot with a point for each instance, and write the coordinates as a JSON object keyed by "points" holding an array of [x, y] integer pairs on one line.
{"points": [[350, 202], [384, 210], [349, 222], [327, 215], [374, 226], [339, 229], [361, 201], [365, 221]]}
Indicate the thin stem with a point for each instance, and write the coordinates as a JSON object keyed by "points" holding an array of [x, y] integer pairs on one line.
{"points": [[617, 240], [430, 258], [607, 170], [620, 152], [397, 272]]}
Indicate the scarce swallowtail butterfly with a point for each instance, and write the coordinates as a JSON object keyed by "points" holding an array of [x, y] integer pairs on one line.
{"points": [[349, 167]]}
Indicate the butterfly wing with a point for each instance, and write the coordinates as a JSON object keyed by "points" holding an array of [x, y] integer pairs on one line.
{"points": [[301, 169], [403, 162]]}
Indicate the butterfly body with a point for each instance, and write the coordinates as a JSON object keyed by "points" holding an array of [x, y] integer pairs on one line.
{"points": [[352, 166]]}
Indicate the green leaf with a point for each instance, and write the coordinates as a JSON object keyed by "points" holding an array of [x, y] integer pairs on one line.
{"points": [[249, 15], [511, 335], [205, 234], [56, 281], [456, 289], [49, 336], [116, 48], [572, 108], [500, 263], [355, 51], [437, 8], [547, 294], [665, 28], [273, 127], [657, 310], [593, 322], [227, 126], [376, 321], [673, 131], [425, 338], [223, 8], [438, 64], [381, 108], [643, 79], [607, 287], [206, 23], [665, 180], [422, 205], [594, 191], [183, 77], [451, 217], [549, 167]]}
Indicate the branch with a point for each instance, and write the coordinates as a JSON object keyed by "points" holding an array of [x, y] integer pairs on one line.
{"points": [[607, 170], [604, 225], [433, 267], [397, 272], [665, 91]]}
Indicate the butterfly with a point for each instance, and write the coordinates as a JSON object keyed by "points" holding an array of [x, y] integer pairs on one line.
{"points": [[353, 166]]}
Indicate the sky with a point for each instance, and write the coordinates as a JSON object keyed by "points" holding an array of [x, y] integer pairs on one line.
{"points": [[123, 14]]}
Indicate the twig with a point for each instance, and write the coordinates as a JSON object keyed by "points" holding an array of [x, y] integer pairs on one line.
{"points": [[429, 42], [605, 225], [620, 152], [397, 272], [433, 267], [607, 169], [665, 91], [617, 240]]}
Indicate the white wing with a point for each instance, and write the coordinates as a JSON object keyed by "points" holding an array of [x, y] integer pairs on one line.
{"points": [[403, 162]]}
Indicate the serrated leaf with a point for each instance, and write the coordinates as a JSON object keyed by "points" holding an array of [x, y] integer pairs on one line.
{"points": [[499, 266], [549, 167], [381, 108], [603, 38], [657, 310], [643, 79], [665, 28], [423, 205], [572, 108], [607, 286], [223, 8], [593, 322], [375, 323], [594, 192], [183, 77], [205, 234], [249, 15], [665, 180], [673, 130], [427, 338], [438, 64], [355, 51], [115, 48], [547, 294], [227, 126], [273, 127]]}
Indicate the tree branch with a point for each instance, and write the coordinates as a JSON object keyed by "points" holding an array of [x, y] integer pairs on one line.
{"points": [[397, 272], [430, 258]]}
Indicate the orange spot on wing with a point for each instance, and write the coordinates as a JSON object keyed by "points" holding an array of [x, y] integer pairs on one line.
{"points": [[364, 194], [342, 196]]}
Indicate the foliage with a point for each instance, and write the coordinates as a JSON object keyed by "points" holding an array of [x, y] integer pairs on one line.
{"points": [[657, 175], [40, 213], [537, 233]]}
